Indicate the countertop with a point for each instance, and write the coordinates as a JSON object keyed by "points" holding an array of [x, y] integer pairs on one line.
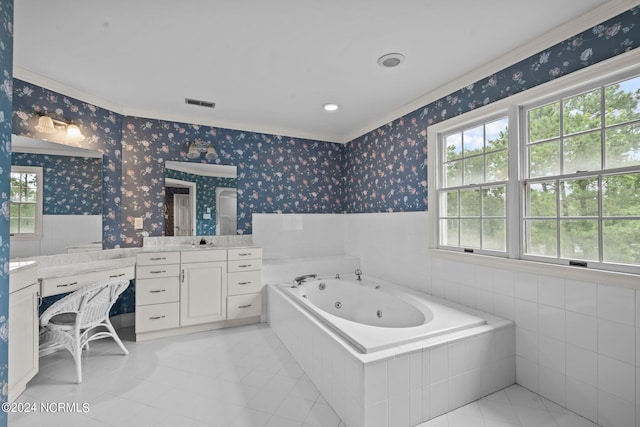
{"points": [[84, 267], [15, 266], [21, 274], [178, 248]]}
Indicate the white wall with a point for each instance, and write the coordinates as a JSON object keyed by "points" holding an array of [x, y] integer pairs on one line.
{"points": [[576, 341], [297, 244], [58, 233]]}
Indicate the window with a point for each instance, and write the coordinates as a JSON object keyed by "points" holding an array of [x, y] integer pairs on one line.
{"points": [[553, 179], [26, 201], [474, 170], [582, 200]]}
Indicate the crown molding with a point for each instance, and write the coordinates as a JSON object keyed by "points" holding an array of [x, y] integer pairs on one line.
{"points": [[50, 84], [594, 17], [232, 125], [53, 85]]}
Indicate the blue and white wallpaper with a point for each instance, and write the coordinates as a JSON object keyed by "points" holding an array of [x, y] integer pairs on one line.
{"points": [[6, 99], [275, 173], [205, 197], [71, 185]]}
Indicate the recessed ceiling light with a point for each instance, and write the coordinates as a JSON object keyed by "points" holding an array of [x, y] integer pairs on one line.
{"points": [[330, 107], [390, 60]]}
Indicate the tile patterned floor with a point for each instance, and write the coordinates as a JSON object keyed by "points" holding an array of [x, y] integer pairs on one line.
{"points": [[238, 377]]}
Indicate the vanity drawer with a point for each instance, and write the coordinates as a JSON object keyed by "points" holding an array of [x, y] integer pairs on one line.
{"points": [[240, 306], [61, 285], [204, 255], [157, 291], [245, 253], [158, 258], [244, 282], [153, 271], [157, 316], [244, 265]]}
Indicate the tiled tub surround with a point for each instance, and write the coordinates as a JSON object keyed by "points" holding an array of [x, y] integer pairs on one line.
{"points": [[401, 386]]}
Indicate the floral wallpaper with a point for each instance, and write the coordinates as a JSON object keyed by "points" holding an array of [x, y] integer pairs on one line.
{"points": [[102, 129], [275, 173], [205, 197], [6, 99], [71, 185], [386, 169]]}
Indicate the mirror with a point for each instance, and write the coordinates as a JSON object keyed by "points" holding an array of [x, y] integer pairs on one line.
{"points": [[200, 199], [71, 199]]}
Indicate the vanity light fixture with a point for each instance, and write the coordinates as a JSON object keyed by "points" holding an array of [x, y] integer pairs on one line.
{"points": [[47, 124], [198, 147]]}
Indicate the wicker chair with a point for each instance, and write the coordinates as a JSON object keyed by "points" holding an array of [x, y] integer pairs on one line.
{"points": [[80, 317]]}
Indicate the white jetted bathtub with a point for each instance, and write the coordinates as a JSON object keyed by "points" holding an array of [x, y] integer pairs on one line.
{"points": [[383, 355], [374, 316]]}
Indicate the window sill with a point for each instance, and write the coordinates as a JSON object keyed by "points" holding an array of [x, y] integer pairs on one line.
{"points": [[603, 277]]}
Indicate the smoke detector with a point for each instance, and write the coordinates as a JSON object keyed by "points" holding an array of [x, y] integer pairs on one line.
{"points": [[391, 60]]}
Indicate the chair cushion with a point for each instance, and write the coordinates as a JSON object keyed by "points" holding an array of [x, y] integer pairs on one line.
{"points": [[63, 319]]}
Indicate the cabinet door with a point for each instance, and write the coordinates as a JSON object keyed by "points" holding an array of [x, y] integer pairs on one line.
{"points": [[203, 293], [23, 339]]}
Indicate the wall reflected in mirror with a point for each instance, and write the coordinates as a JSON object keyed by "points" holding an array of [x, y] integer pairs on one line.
{"points": [[200, 199], [61, 211]]}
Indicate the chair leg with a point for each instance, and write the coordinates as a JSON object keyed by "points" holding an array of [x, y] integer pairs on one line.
{"points": [[78, 359], [115, 336]]}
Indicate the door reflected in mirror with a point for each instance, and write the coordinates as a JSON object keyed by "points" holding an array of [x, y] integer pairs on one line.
{"points": [[200, 199]]}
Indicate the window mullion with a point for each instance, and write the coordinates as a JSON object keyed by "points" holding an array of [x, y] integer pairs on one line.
{"points": [[514, 209]]}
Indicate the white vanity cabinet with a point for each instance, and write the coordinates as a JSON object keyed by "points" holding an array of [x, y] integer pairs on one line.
{"points": [[197, 289], [23, 329], [157, 291], [203, 286]]}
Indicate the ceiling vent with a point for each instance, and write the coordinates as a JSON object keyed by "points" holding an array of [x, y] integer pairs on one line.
{"points": [[200, 103]]}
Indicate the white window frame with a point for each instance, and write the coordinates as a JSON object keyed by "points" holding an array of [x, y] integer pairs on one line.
{"points": [[39, 177], [623, 66], [499, 113]]}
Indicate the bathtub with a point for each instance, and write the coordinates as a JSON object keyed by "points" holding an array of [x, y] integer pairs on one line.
{"points": [[372, 315], [421, 358]]}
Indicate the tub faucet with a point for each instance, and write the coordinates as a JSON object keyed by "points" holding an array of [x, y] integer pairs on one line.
{"points": [[358, 273], [301, 279]]}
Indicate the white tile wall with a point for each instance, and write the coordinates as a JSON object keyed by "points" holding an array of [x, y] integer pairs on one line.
{"points": [[569, 334], [57, 236]]}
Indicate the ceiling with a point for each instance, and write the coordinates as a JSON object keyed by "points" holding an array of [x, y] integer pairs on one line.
{"points": [[271, 65]]}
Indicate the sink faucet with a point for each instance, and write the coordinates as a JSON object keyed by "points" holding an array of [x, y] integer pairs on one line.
{"points": [[301, 279]]}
